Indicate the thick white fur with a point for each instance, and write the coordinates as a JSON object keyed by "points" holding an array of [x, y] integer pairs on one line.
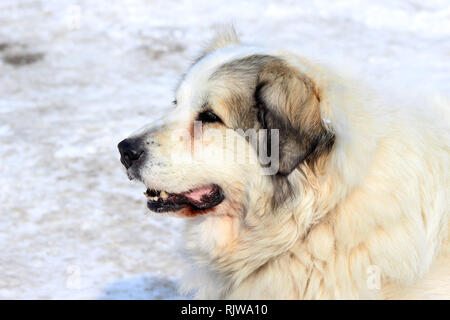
{"points": [[381, 204]]}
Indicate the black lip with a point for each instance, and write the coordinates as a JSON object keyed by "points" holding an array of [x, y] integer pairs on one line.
{"points": [[159, 206], [177, 202]]}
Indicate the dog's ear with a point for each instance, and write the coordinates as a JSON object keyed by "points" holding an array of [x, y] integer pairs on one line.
{"points": [[288, 101], [225, 37]]}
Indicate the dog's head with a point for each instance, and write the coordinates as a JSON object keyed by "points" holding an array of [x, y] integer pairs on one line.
{"points": [[243, 120]]}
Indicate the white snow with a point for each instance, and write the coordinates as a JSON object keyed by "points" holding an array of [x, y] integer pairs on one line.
{"points": [[71, 225]]}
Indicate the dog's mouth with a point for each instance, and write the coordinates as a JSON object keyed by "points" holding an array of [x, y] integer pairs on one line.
{"points": [[198, 199]]}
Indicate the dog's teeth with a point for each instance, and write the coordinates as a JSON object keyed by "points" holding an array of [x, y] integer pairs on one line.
{"points": [[150, 197], [164, 195]]}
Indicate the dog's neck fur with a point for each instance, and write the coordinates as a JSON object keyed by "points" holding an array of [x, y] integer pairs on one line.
{"points": [[230, 247]]}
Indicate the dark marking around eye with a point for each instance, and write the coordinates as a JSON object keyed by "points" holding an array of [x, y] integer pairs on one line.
{"points": [[208, 116], [174, 102]]}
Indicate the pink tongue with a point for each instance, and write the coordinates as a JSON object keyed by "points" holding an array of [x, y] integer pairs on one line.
{"points": [[197, 194]]}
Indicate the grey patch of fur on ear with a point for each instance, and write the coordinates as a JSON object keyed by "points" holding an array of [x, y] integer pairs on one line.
{"points": [[287, 100]]}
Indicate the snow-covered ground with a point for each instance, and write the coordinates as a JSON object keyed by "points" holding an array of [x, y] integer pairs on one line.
{"points": [[76, 77]]}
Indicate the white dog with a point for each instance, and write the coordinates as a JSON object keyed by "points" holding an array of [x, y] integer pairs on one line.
{"points": [[351, 200]]}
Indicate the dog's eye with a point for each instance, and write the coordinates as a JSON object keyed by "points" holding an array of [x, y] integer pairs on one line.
{"points": [[208, 116]]}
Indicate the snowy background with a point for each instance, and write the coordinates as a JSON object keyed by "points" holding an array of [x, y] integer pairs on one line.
{"points": [[76, 77]]}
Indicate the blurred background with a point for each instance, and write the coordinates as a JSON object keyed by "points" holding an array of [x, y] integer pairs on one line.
{"points": [[76, 77]]}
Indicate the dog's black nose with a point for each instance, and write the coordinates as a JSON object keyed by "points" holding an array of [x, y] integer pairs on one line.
{"points": [[130, 151]]}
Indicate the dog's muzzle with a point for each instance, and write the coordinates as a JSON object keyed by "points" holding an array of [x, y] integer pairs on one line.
{"points": [[130, 151]]}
